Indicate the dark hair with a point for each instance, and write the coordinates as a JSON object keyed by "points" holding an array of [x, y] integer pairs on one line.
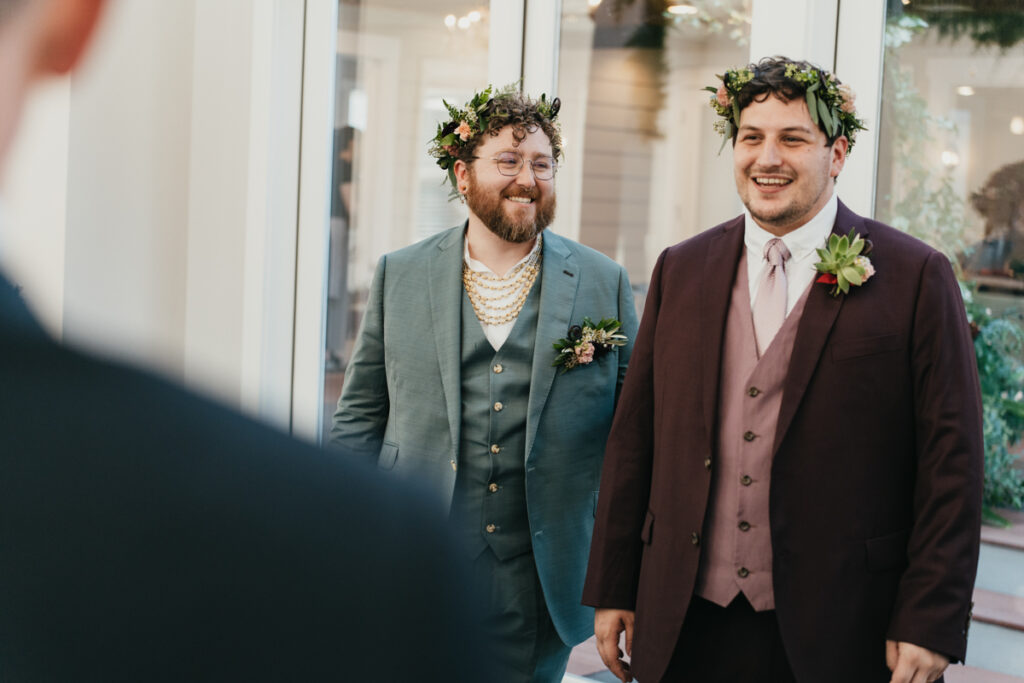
{"points": [[524, 115], [770, 80]]}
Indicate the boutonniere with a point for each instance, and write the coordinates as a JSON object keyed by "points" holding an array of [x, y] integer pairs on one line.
{"points": [[845, 262], [587, 342]]}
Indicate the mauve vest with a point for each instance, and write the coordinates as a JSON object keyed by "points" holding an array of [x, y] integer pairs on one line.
{"points": [[737, 546]]}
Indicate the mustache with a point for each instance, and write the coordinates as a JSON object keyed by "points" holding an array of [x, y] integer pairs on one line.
{"points": [[527, 192]]}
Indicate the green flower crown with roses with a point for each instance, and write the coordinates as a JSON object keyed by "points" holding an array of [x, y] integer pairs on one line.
{"points": [[830, 103], [473, 119]]}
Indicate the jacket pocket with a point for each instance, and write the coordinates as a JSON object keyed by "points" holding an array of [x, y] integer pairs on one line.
{"points": [[848, 349], [885, 553], [648, 528], [388, 456]]}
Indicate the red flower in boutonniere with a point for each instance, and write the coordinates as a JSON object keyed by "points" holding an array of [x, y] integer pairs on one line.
{"points": [[845, 262]]}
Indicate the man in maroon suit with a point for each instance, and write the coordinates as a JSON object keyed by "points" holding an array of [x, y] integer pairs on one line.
{"points": [[792, 485]]}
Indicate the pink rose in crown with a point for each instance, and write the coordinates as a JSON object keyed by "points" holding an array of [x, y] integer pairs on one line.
{"points": [[722, 96], [452, 150], [464, 131], [584, 353], [849, 99]]}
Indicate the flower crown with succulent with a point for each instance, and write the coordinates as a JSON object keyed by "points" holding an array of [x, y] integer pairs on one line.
{"points": [[830, 103], [474, 119]]}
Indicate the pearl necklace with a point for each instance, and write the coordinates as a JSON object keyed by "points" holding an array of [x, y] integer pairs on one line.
{"points": [[485, 289]]}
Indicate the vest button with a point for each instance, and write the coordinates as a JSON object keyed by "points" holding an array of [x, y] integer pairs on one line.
{"points": [[495, 448], [454, 466], [743, 572], [746, 480], [498, 406], [753, 391], [707, 463], [744, 526], [491, 528], [749, 436], [695, 538], [493, 488], [498, 369]]}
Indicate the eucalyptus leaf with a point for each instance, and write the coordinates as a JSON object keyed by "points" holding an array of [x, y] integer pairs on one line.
{"points": [[812, 106], [826, 117]]}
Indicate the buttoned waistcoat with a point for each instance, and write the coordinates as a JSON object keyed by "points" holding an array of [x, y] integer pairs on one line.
{"points": [[875, 498], [401, 403]]}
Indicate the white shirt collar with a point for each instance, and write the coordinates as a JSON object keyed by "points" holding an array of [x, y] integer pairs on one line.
{"points": [[805, 239]]}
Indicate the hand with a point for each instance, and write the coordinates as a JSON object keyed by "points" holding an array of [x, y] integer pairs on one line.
{"points": [[608, 624], [912, 664]]}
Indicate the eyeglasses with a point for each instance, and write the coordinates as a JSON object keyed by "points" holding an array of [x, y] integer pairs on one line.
{"points": [[511, 163]]}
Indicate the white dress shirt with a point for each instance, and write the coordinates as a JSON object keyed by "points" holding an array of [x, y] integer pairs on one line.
{"points": [[802, 243], [496, 334]]}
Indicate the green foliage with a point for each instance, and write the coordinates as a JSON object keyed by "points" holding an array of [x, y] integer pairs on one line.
{"points": [[842, 258], [923, 202], [999, 346]]}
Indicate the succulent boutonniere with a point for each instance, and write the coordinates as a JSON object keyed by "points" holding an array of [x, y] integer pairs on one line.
{"points": [[587, 342], [845, 262]]}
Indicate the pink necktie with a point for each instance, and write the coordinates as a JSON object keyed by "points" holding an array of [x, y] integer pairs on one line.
{"points": [[770, 306]]}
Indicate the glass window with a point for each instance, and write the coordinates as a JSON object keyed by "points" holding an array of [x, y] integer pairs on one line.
{"points": [[396, 61], [642, 167], [951, 139]]}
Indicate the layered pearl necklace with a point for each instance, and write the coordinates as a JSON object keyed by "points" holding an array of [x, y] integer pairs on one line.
{"points": [[487, 290]]}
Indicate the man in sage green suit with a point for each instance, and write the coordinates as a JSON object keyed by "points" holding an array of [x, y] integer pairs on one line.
{"points": [[453, 382]]}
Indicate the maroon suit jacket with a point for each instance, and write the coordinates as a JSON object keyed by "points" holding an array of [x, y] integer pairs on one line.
{"points": [[876, 476]]}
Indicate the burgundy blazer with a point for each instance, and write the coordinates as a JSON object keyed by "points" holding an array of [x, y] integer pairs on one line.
{"points": [[876, 481]]}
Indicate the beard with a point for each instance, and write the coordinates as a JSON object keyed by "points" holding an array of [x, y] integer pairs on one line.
{"points": [[489, 207]]}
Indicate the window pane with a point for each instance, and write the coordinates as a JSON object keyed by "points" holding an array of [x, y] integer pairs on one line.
{"points": [[951, 155], [396, 61], [642, 169]]}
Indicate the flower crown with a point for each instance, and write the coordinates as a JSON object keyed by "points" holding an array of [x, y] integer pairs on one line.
{"points": [[830, 103], [473, 119]]}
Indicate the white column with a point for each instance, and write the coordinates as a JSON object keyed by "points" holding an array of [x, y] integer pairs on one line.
{"points": [[859, 52], [798, 29], [314, 223], [540, 47]]}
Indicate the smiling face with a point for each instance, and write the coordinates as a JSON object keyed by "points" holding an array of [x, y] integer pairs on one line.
{"points": [[784, 169], [515, 208]]}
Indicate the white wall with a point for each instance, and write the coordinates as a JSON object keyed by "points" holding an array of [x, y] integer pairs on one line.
{"points": [[175, 153]]}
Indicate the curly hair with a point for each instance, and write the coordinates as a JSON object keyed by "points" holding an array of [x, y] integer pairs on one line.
{"points": [[522, 113], [770, 80]]}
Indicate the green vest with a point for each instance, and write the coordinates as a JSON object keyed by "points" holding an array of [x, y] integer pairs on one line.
{"points": [[489, 505]]}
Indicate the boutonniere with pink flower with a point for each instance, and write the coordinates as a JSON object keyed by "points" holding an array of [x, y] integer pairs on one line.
{"points": [[587, 342], [844, 262]]}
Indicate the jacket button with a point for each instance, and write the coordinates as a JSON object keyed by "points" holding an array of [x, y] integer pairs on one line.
{"points": [[744, 526], [753, 391], [707, 463], [498, 369], [695, 538], [746, 480], [749, 436], [743, 572], [490, 528], [454, 466], [493, 488], [495, 448], [498, 406]]}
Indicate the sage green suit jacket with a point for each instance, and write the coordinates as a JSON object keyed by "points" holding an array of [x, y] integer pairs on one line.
{"points": [[401, 402]]}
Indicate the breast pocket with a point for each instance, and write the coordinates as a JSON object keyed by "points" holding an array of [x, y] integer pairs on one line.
{"points": [[850, 349]]}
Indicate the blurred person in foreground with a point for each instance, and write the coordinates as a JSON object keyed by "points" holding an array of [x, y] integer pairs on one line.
{"points": [[792, 490], [488, 366], [149, 535]]}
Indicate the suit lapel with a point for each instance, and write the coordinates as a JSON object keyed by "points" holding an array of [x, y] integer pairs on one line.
{"points": [[445, 269], [560, 278], [820, 313], [716, 288]]}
